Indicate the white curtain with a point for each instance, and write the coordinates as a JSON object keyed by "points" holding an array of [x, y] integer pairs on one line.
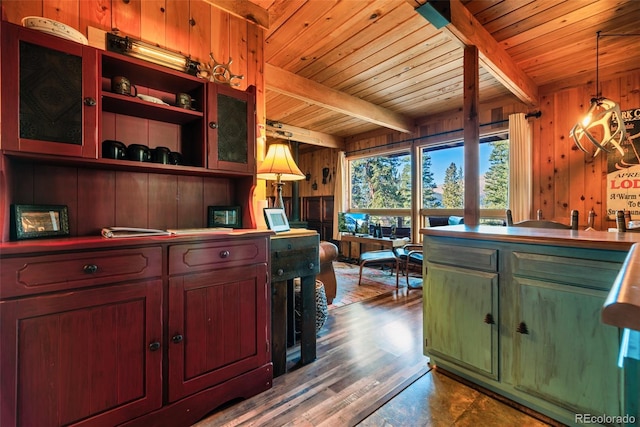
{"points": [[340, 191], [520, 159]]}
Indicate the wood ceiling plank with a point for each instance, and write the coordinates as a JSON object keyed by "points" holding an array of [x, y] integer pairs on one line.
{"points": [[359, 61], [342, 33], [418, 69], [357, 69], [301, 88], [562, 16], [318, 32], [244, 9], [506, 16], [350, 39], [560, 37], [280, 12], [299, 23]]}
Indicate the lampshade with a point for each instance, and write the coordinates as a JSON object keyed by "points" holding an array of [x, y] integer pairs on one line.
{"points": [[278, 165]]}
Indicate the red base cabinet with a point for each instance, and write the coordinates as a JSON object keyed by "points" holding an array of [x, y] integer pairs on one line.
{"points": [[75, 357], [101, 332]]}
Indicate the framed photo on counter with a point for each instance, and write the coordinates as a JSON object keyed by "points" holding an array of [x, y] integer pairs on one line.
{"points": [[39, 221], [224, 216], [276, 219]]}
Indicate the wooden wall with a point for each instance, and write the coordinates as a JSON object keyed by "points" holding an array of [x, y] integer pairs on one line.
{"points": [[564, 177]]}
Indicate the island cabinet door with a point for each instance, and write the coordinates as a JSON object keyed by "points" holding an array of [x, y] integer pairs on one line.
{"points": [[91, 357], [461, 318], [563, 353], [218, 327]]}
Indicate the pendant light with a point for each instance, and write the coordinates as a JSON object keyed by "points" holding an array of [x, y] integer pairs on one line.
{"points": [[603, 125]]}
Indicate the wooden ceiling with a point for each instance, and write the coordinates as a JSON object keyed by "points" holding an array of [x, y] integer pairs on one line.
{"points": [[346, 67]]}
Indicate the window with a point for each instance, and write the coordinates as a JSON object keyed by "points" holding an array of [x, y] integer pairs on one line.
{"points": [[442, 184], [381, 186]]}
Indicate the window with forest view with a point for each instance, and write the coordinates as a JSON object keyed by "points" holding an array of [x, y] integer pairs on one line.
{"points": [[381, 185], [443, 178]]}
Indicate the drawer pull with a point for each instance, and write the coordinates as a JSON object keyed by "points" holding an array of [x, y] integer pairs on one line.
{"points": [[280, 272], [522, 328], [224, 254], [90, 268], [311, 266], [488, 319], [154, 346], [177, 338]]}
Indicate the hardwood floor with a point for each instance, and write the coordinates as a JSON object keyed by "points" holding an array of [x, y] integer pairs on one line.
{"points": [[370, 371]]}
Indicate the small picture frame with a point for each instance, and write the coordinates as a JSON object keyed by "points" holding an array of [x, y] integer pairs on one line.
{"points": [[276, 219], [224, 216], [39, 221]]}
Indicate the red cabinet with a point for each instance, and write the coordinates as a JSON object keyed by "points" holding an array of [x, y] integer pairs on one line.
{"points": [[49, 95], [218, 313], [91, 356]]}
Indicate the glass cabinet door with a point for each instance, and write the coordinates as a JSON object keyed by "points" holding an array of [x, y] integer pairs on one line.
{"points": [[51, 106]]}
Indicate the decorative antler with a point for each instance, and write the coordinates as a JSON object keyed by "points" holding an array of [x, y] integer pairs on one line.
{"points": [[218, 72]]}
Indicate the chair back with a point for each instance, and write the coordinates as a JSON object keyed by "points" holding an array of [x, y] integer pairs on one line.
{"points": [[622, 221], [540, 223]]}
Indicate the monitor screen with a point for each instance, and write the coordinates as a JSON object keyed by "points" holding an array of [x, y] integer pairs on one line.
{"points": [[354, 223]]}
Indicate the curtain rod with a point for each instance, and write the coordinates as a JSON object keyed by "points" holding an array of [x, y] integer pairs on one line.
{"points": [[535, 114]]}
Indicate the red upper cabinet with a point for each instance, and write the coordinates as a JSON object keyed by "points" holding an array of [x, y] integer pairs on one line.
{"points": [[231, 115], [49, 94]]}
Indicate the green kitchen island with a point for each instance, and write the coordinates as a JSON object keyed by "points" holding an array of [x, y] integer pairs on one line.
{"points": [[518, 312]]}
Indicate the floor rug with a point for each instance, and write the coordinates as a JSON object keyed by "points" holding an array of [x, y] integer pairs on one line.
{"points": [[375, 281]]}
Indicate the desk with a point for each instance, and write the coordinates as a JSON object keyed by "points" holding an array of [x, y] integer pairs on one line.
{"points": [[294, 254], [385, 242]]}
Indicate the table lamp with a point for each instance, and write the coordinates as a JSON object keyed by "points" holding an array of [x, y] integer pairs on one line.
{"points": [[278, 166]]}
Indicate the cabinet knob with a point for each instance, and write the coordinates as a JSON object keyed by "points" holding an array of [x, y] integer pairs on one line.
{"points": [[311, 266], [177, 338], [213, 125], [488, 319], [280, 272], [90, 268], [154, 346], [90, 102], [224, 254], [522, 328]]}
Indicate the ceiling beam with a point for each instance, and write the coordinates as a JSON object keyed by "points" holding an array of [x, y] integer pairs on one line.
{"points": [[243, 9], [466, 29], [293, 133], [290, 84]]}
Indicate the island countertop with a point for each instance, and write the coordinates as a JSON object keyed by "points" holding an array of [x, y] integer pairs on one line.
{"points": [[588, 239]]}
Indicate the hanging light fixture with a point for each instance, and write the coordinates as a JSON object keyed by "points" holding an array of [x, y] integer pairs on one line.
{"points": [[603, 126]]}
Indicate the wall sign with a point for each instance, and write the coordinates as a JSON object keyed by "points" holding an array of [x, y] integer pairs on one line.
{"points": [[623, 171]]}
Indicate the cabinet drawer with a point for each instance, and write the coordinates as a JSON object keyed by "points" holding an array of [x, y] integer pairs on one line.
{"points": [[294, 257], [463, 256], [47, 273], [572, 271], [190, 258]]}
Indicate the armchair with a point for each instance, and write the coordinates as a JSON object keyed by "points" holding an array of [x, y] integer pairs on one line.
{"points": [[328, 253]]}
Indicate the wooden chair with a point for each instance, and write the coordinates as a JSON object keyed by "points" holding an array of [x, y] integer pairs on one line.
{"points": [[409, 255], [540, 223], [622, 222]]}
